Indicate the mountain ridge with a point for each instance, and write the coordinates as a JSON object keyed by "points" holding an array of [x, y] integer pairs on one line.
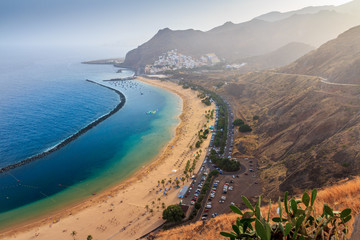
{"points": [[255, 37], [280, 57], [337, 60]]}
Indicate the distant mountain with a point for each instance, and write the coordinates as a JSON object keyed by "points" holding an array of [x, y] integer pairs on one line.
{"points": [[280, 57], [188, 42], [277, 16], [352, 7], [338, 60], [253, 38]]}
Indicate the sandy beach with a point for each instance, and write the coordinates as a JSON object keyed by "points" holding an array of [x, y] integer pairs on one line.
{"points": [[135, 206]]}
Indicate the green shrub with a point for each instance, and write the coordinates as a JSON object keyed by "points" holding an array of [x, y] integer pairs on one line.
{"points": [[226, 164], [206, 101], [173, 213], [206, 131], [300, 221], [245, 128], [193, 214], [197, 205], [238, 122]]}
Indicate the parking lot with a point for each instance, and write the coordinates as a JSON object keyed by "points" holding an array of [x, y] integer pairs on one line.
{"points": [[246, 184]]}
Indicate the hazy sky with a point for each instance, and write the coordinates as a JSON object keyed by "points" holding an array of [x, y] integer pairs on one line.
{"points": [[124, 24]]}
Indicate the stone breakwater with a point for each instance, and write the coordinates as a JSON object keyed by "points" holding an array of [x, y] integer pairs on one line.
{"points": [[72, 137]]}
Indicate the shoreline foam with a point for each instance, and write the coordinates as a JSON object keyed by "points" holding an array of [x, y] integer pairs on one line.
{"points": [[72, 137]]}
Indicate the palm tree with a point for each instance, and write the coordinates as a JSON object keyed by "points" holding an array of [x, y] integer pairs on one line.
{"points": [[163, 182], [187, 177], [183, 180], [147, 207], [73, 234], [89, 237]]}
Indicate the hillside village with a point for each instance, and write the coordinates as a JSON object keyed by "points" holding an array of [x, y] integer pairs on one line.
{"points": [[174, 60]]}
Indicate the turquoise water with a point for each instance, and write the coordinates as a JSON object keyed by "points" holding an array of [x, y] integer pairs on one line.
{"points": [[98, 159]]}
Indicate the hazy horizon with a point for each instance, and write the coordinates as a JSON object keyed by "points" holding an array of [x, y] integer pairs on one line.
{"points": [[116, 27]]}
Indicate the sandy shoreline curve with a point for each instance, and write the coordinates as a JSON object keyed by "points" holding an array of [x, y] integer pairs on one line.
{"points": [[123, 211], [68, 140]]}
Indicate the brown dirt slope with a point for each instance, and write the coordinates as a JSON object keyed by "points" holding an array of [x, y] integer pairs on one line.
{"points": [[307, 128], [338, 60]]}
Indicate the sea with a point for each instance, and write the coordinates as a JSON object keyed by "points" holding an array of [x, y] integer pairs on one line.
{"points": [[44, 99]]}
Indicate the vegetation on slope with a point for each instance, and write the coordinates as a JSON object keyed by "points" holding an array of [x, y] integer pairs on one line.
{"points": [[340, 196], [297, 219]]}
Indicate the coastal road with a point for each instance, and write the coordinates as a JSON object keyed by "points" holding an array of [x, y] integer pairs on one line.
{"points": [[323, 80]]}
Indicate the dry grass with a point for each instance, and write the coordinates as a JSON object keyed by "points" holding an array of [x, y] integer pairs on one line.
{"points": [[340, 196]]}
